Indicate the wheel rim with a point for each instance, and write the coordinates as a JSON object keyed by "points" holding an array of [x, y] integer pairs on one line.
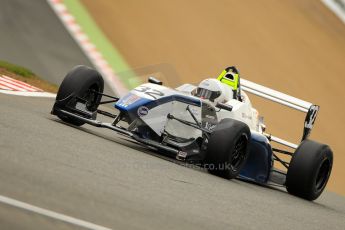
{"points": [[322, 175], [239, 153], [91, 97]]}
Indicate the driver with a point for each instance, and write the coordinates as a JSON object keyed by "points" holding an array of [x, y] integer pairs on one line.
{"points": [[222, 89], [213, 90]]}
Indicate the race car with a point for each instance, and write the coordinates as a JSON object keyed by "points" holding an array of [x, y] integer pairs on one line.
{"points": [[213, 125]]}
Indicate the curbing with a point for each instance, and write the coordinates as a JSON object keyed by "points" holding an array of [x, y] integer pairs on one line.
{"points": [[12, 86], [93, 43]]}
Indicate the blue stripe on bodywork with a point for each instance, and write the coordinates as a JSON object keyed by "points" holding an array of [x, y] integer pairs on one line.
{"points": [[122, 104], [259, 162]]}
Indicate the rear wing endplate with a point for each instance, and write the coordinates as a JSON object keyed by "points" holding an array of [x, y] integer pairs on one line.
{"points": [[310, 109]]}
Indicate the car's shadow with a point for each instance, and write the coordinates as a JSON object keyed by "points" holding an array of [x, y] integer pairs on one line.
{"points": [[122, 140]]}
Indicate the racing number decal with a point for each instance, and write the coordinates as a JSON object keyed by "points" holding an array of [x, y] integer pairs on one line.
{"points": [[148, 91], [309, 120], [311, 117]]}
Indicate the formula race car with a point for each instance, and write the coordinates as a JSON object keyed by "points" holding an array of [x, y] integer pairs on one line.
{"points": [[213, 125]]}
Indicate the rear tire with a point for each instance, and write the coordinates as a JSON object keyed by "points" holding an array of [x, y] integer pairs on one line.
{"points": [[79, 82], [227, 148], [309, 170]]}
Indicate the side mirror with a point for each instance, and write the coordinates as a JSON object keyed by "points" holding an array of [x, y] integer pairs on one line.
{"points": [[154, 80], [224, 106]]}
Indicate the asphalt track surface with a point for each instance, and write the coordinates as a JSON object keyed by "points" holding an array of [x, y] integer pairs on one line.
{"points": [[98, 176], [32, 36]]}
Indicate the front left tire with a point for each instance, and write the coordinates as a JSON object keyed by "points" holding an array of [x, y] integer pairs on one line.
{"points": [[80, 83]]}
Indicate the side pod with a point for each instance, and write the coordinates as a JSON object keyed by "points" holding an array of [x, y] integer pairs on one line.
{"points": [[260, 162]]}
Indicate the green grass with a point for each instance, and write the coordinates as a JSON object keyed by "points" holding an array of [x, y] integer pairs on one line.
{"points": [[97, 37], [24, 72], [25, 75]]}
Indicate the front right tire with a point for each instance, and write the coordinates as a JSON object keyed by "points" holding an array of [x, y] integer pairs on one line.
{"points": [[309, 170]]}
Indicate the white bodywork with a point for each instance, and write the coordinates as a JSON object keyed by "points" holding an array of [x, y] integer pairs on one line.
{"points": [[266, 93], [243, 110], [157, 116]]}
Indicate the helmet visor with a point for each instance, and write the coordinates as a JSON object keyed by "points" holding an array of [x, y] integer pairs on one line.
{"points": [[207, 94]]}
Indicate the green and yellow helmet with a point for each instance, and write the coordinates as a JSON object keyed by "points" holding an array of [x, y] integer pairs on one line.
{"points": [[230, 76]]}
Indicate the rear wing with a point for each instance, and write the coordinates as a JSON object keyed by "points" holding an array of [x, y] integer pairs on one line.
{"points": [[310, 109]]}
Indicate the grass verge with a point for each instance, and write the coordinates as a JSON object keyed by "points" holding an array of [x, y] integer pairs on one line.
{"points": [[100, 40], [23, 74]]}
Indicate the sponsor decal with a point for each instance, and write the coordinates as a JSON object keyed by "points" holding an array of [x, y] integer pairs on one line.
{"points": [[210, 117], [247, 116], [182, 154], [129, 100], [80, 106], [143, 111], [209, 126], [195, 111]]}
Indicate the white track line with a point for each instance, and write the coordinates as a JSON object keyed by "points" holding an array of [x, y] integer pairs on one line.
{"points": [[29, 94], [88, 47], [51, 214]]}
